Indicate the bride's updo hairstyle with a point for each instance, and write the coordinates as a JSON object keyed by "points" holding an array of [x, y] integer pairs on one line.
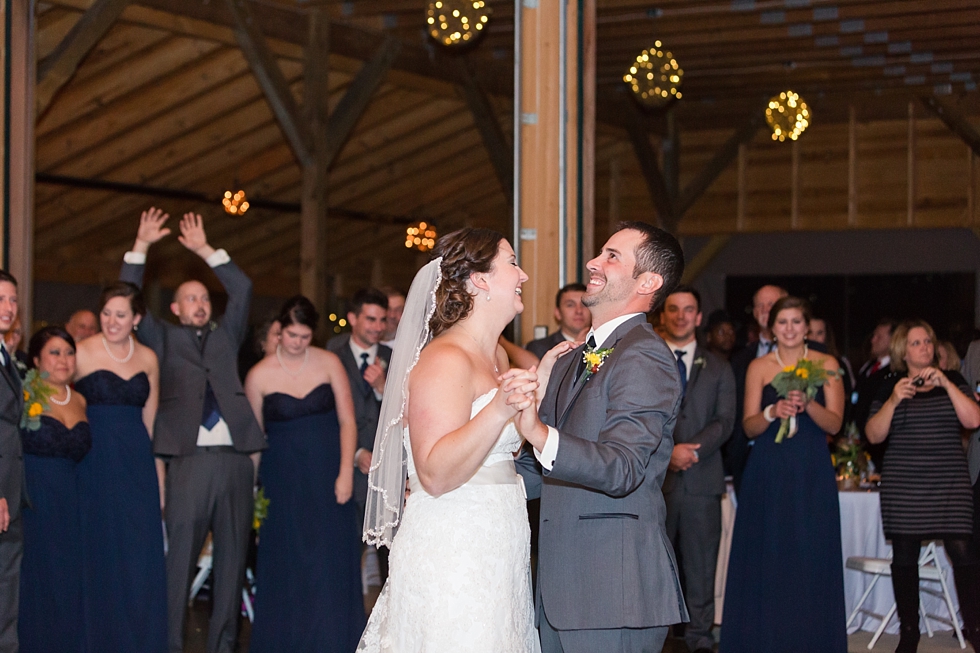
{"points": [[463, 253]]}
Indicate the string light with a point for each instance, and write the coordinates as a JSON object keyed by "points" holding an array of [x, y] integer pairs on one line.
{"points": [[421, 236], [788, 116], [235, 203], [452, 22], [655, 77]]}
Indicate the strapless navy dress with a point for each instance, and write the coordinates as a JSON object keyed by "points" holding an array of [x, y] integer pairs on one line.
{"points": [[785, 588], [124, 581], [308, 581], [50, 619]]}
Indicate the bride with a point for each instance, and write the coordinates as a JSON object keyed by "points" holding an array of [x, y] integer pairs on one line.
{"points": [[459, 576]]}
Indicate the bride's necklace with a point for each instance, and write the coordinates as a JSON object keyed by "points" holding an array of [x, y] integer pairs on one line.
{"points": [[66, 400], [127, 357], [780, 360], [282, 364], [477, 343]]}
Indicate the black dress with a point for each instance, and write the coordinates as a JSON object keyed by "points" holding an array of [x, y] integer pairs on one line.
{"points": [[785, 588], [124, 584], [308, 580], [925, 479], [50, 619]]}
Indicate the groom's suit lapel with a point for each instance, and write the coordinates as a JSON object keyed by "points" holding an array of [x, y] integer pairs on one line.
{"points": [[579, 384], [569, 383]]}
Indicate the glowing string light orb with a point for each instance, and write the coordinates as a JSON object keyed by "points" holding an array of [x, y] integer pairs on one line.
{"points": [[788, 116], [453, 22], [235, 203], [655, 78], [421, 236]]}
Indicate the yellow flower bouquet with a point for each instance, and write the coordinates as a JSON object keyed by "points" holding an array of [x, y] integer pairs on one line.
{"points": [[807, 377], [36, 395]]}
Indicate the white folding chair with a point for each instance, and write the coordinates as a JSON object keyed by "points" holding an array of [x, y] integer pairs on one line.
{"points": [[204, 563], [929, 570]]}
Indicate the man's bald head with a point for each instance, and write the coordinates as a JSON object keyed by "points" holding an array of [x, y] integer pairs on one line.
{"points": [[762, 303], [82, 324], [192, 304]]}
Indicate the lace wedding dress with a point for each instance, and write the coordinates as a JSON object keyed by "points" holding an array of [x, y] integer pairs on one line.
{"points": [[459, 576]]}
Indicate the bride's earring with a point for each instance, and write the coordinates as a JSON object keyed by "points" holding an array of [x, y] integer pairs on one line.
{"points": [[488, 296]]}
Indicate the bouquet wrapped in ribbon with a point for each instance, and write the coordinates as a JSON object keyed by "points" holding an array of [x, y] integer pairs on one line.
{"points": [[806, 376]]}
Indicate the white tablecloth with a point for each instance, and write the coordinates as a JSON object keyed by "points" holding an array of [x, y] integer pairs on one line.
{"points": [[861, 535]]}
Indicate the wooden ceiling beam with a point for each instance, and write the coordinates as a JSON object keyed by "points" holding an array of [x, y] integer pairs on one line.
{"points": [[58, 67], [955, 120], [271, 80], [649, 163], [499, 148], [345, 116]]}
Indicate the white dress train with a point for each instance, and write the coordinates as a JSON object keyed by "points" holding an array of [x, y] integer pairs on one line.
{"points": [[459, 568]]}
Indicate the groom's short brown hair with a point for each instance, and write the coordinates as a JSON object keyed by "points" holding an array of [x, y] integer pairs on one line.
{"points": [[660, 253]]}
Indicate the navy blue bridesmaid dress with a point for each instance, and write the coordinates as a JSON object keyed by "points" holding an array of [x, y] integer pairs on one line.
{"points": [[50, 619], [308, 580], [124, 583], [785, 588]]}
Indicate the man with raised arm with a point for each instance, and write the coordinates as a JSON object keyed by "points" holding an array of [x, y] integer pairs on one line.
{"points": [[205, 430]]}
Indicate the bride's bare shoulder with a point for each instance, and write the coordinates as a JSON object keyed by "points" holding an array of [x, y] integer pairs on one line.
{"points": [[444, 356]]}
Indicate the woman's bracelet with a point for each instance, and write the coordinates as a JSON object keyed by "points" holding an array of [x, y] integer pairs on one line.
{"points": [[767, 414]]}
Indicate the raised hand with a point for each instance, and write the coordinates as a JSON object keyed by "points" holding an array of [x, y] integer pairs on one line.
{"points": [[192, 234], [151, 229], [902, 390]]}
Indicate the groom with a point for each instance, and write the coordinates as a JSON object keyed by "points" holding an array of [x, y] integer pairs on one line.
{"points": [[607, 578]]}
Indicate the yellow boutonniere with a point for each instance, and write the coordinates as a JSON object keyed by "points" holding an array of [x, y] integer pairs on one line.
{"points": [[593, 359]]}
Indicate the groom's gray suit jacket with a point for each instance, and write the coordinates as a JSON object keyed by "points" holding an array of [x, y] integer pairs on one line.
{"points": [[604, 560]]}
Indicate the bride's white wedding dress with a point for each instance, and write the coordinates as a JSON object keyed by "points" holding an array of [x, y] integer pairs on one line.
{"points": [[459, 568]]}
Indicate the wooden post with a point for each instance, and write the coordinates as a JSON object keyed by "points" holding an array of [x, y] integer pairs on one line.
{"points": [[910, 221], [852, 194], [548, 218], [18, 151], [313, 215]]}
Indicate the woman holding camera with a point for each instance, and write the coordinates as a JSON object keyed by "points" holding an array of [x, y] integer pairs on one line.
{"points": [[925, 482]]}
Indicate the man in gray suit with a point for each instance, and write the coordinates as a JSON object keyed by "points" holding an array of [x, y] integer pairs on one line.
{"points": [[695, 478], [204, 429], [607, 578], [971, 370], [365, 361], [573, 319], [12, 493]]}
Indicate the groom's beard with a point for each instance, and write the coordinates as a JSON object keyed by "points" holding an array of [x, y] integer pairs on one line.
{"points": [[611, 292]]}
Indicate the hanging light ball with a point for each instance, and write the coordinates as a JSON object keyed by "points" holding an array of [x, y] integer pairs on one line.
{"points": [[453, 22], [655, 78], [421, 236], [235, 203], [788, 116]]}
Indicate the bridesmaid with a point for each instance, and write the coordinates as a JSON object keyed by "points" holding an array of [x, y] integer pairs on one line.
{"points": [[51, 571], [120, 487], [308, 567]]}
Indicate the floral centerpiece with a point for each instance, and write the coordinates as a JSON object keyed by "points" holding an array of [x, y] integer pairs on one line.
{"points": [[36, 395], [807, 377]]}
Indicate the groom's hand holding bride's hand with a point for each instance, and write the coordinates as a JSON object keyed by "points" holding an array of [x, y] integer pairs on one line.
{"points": [[522, 386]]}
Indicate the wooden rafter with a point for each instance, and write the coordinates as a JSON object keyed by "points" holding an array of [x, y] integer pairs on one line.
{"points": [[722, 158], [351, 107], [955, 120], [59, 66], [498, 147], [649, 164], [273, 83]]}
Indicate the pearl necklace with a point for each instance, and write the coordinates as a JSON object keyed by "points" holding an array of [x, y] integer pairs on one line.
{"points": [[780, 360], [306, 358], [125, 359], [67, 398]]}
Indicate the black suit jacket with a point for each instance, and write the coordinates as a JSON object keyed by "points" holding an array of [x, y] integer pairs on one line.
{"points": [[541, 346], [11, 452], [187, 366], [367, 407], [707, 416]]}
